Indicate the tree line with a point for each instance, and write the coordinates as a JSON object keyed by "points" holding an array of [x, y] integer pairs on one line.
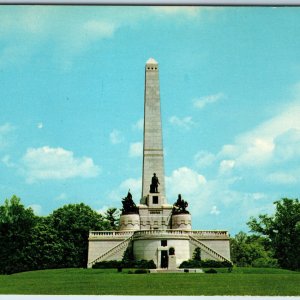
{"points": [[60, 240], [274, 240]]}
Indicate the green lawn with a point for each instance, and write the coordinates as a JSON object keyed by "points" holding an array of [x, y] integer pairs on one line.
{"points": [[242, 281]]}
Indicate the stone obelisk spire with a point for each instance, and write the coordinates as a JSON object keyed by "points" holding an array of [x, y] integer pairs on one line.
{"points": [[153, 154]]}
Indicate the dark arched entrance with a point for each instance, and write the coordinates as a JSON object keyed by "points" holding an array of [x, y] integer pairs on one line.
{"points": [[164, 259]]}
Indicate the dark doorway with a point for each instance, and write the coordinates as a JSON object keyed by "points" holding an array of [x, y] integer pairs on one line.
{"points": [[164, 260]]}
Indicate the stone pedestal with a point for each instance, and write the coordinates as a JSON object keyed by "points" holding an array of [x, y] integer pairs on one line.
{"points": [[172, 262], [182, 221], [130, 222]]}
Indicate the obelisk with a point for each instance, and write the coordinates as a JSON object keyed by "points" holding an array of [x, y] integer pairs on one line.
{"points": [[153, 154]]}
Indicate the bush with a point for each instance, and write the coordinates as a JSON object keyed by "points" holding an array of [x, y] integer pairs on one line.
{"points": [[190, 264], [140, 264], [112, 264], [141, 271], [211, 271], [265, 263], [109, 264], [204, 264], [145, 264], [215, 264]]}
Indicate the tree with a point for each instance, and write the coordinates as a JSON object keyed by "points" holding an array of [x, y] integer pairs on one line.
{"points": [[72, 223], [112, 216], [46, 251], [197, 254], [16, 224], [283, 232], [247, 249]]}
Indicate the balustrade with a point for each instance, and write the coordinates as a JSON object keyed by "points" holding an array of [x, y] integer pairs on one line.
{"points": [[139, 233]]}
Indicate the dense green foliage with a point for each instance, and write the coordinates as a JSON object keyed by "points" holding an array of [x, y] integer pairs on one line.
{"points": [[197, 254], [28, 242], [16, 225], [251, 250], [192, 263], [107, 264], [112, 215], [242, 281], [112, 264], [282, 231]]}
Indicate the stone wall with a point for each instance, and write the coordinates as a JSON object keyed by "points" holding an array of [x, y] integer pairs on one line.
{"points": [[151, 249], [220, 246]]}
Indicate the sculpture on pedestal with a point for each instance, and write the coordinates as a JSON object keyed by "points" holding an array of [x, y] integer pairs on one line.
{"points": [[154, 184], [129, 206], [180, 206]]}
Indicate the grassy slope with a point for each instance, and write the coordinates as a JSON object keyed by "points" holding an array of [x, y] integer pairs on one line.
{"points": [[242, 281]]}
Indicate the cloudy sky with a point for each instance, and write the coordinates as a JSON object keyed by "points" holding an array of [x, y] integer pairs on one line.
{"points": [[71, 114]]}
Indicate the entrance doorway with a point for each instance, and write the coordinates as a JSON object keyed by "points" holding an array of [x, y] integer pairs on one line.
{"points": [[164, 259]]}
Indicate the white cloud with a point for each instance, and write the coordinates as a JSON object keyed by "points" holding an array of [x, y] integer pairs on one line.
{"points": [[116, 137], [102, 210], [40, 125], [132, 184], [87, 33], [62, 196], [214, 210], [136, 149], [276, 139], [189, 12], [226, 166], [5, 130], [203, 101], [56, 163], [287, 145], [282, 178], [73, 31], [184, 181], [139, 125], [37, 209], [184, 123], [204, 159], [99, 29], [7, 161]]}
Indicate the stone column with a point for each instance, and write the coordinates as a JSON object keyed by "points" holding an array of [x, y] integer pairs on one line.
{"points": [[153, 155]]}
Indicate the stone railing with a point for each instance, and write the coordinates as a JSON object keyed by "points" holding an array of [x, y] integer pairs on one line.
{"points": [[110, 234], [176, 232], [168, 232], [209, 233]]}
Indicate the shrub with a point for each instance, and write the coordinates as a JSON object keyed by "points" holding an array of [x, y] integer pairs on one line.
{"points": [[141, 264], [215, 264], [190, 264], [211, 271], [141, 271], [197, 254], [109, 264], [145, 264], [112, 264], [265, 263]]}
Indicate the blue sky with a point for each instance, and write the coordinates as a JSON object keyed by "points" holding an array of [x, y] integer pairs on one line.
{"points": [[71, 94]]}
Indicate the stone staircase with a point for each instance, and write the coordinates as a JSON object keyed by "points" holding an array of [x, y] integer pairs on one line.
{"points": [[112, 251], [208, 250]]}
